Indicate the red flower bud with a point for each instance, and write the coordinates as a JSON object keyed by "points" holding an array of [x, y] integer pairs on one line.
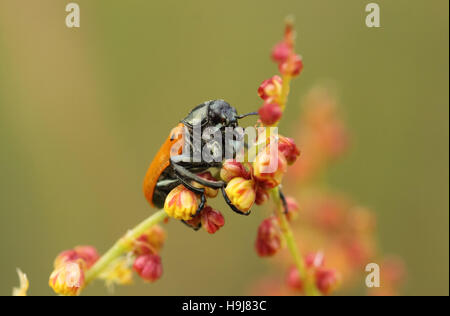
{"points": [[270, 113], [270, 89], [151, 241], [281, 52], [64, 257], [212, 220], [88, 253], [314, 260], [293, 280], [326, 280], [195, 222], [292, 66], [233, 169], [156, 237], [148, 267], [287, 147], [268, 240]]}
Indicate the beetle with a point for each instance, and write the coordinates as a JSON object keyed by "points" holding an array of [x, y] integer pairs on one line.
{"points": [[169, 168]]}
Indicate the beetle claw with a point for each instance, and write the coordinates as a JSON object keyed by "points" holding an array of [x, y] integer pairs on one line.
{"points": [[231, 205], [195, 228]]}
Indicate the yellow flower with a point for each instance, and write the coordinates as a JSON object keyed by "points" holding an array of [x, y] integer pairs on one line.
{"points": [[269, 167], [68, 279], [241, 193], [181, 203], [24, 284], [118, 272]]}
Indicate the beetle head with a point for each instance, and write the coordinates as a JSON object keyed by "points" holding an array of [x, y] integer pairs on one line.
{"points": [[220, 112]]}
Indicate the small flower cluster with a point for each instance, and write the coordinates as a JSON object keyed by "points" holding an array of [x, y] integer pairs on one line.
{"points": [[322, 134], [146, 248], [70, 266], [341, 228], [269, 241], [269, 237], [249, 184], [273, 91], [330, 221], [344, 230], [273, 231], [326, 280], [210, 219], [182, 203]]}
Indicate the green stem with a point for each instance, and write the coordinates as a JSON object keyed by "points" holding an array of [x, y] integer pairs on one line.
{"points": [[282, 100], [123, 245], [310, 287]]}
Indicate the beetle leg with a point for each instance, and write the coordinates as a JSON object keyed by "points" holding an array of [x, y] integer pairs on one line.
{"points": [[187, 159], [202, 204], [200, 191], [283, 200], [189, 186], [167, 183], [194, 228], [231, 205], [184, 173]]}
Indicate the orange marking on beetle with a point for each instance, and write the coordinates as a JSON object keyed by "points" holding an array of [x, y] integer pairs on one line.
{"points": [[162, 161]]}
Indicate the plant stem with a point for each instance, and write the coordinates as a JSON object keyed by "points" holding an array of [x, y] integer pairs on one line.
{"points": [[310, 287], [123, 245], [282, 100]]}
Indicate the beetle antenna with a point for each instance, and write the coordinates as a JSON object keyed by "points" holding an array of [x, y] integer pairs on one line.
{"points": [[245, 115]]}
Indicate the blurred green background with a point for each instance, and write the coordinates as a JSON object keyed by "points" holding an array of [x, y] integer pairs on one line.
{"points": [[83, 111]]}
